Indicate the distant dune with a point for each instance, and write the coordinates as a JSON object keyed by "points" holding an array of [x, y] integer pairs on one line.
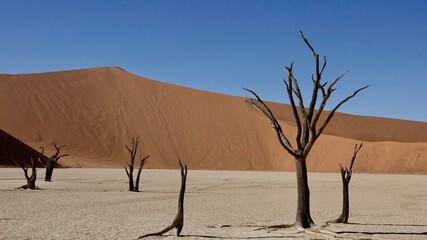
{"points": [[96, 111]]}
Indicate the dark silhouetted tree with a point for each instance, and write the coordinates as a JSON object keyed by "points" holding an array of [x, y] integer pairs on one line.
{"points": [[31, 179], [309, 123], [51, 162], [134, 186], [346, 177], [178, 222]]}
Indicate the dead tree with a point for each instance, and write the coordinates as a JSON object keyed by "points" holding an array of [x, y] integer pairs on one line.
{"points": [[178, 222], [346, 177], [134, 187], [310, 125], [31, 180], [51, 162]]}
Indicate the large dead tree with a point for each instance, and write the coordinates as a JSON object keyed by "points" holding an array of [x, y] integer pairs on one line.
{"points": [[346, 177], [31, 179], [51, 162], [310, 125], [178, 222], [134, 186]]}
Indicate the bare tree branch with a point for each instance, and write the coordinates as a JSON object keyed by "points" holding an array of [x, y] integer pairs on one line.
{"points": [[273, 121], [127, 172], [307, 43], [142, 162], [331, 114], [356, 150], [297, 119]]}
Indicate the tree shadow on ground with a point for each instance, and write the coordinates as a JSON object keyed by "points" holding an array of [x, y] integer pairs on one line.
{"points": [[258, 228], [272, 237], [205, 236], [255, 237], [25, 188], [389, 224], [383, 233]]}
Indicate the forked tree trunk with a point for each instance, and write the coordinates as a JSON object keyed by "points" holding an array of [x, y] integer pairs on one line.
{"points": [[303, 216], [346, 177], [31, 180], [51, 162], [134, 187]]}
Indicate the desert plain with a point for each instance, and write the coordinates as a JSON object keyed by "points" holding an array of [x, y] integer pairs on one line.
{"points": [[95, 204]]}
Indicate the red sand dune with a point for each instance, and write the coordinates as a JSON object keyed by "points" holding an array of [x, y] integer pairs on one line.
{"points": [[96, 111]]}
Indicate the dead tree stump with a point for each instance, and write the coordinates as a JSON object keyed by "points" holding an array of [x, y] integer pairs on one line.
{"points": [[134, 186], [178, 222], [51, 162], [31, 180], [346, 177]]}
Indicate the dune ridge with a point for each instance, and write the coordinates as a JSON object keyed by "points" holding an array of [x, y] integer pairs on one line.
{"points": [[96, 111]]}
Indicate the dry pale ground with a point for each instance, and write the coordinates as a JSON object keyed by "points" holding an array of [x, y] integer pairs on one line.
{"points": [[94, 204]]}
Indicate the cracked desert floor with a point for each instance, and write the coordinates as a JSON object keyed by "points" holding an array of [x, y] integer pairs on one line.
{"points": [[95, 204]]}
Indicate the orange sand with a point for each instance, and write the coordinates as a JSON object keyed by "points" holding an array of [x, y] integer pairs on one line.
{"points": [[96, 111]]}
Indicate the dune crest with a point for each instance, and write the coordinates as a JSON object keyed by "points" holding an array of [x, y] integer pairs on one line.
{"points": [[96, 111]]}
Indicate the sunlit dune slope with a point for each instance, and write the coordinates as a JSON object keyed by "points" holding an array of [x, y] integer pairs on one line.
{"points": [[96, 111]]}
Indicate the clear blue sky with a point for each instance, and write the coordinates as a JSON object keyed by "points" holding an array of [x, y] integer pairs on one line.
{"points": [[221, 46]]}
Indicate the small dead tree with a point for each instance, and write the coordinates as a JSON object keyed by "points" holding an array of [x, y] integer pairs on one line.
{"points": [[134, 187], [51, 162], [31, 180], [309, 123], [346, 177], [178, 222]]}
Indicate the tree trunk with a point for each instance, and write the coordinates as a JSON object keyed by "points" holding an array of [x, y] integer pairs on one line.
{"points": [[31, 180], [303, 217], [346, 177], [178, 222], [142, 162], [131, 186], [136, 189], [49, 171], [51, 162], [345, 204]]}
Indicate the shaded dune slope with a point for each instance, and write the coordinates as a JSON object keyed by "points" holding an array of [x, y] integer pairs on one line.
{"points": [[12, 149], [96, 111]]}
